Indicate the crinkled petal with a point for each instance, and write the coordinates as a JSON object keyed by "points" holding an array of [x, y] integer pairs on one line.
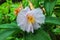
{"points": [[24, 11], [21, 20], [30, 28], [40, 20], [38, 15], [36, 26]]}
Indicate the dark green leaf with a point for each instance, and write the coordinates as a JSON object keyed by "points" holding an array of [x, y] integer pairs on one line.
{"points": [[39, 35], [49, 5], [57, 10], [5, 33], [53, 20]]}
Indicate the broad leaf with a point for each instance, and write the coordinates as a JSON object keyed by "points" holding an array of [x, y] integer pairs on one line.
{"points": [[53, 20], [39, 35], [49, 5], [5, 33], [11, 25]]}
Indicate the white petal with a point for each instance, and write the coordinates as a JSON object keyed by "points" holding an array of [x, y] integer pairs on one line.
{"points": [[24, 11], [36, 11], [40, 19], [30, 28], [36, 26], [21, 20], [38, 15]]}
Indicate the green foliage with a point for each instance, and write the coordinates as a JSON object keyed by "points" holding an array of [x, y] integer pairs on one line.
{"points": [[25, 3], [57, 10], [35, 3], [12, 25], [9, 29], [53, 20], [56, 31], [49, 5], [39, 35], [5, 33]]}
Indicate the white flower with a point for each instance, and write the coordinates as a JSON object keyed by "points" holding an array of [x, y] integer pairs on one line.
{"points": [[29, 20]]}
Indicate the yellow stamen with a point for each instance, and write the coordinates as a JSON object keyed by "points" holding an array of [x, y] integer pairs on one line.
{"points": [[30, 18]]}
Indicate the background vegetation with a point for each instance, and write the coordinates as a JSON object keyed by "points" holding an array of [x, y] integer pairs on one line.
{"points": [[49, 31]]}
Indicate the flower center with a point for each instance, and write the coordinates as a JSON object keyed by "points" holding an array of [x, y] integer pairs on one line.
{"points": [[30, 18]]}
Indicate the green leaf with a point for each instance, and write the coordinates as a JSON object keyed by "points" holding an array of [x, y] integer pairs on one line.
{"points": [[11, 25], [56, 31], [58, 1], [12, 16], [25, 3], [0, 18], [35, 3], [5, 33], [49, 5], [39, 35], [53, 20], [57, 10]]}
